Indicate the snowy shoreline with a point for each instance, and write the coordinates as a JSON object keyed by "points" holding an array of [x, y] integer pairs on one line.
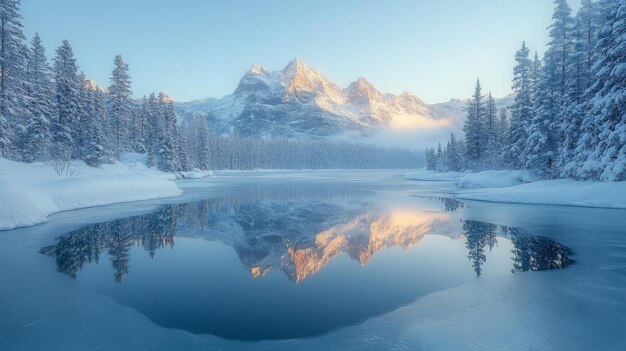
{"points": [[30, 193], [522, 187]]}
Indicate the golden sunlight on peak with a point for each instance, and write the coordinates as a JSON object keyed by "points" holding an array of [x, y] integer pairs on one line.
{"points": [[362, 237]]}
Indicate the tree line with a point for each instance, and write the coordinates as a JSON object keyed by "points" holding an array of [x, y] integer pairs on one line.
{"points": [[568, 119], [51, 111]]}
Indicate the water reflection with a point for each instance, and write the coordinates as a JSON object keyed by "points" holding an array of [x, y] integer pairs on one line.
{"points": [[298, 238], [313, 259]]}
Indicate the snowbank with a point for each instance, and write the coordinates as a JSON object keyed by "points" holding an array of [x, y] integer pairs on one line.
{"points": [[196, 174], [555, 192], [495, 179], [29, 193], [524, 187], [433, 176]]}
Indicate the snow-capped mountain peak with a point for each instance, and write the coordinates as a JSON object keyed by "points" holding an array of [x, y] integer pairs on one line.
{"points": [[299, 100]]}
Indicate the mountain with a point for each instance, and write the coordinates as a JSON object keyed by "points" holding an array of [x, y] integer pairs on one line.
{"points": [[301, 101]]}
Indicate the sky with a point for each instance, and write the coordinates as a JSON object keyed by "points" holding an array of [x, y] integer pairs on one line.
{"points": [[195, 49]]}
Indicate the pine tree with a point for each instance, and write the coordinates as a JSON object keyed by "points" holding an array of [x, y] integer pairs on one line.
{"points": [[522, 109], [121, 108], [534, 77], [68, 98], [474, 128], [37, 139], [503, 128], [608, 160], [455, 154], [5, 143], [586, 163], [491, 132], [94, 151], [584, 37], [545, 131], [150, 109], [13, 55], [140, 130], [168, 149]]}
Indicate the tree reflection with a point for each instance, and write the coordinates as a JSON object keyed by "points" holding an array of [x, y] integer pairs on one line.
{"points": [[479, 235], [452, 205], [297, 237], [78, 248], [530, 253]]}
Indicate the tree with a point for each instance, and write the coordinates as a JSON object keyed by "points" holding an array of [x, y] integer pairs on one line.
{"points": [[545, 131], [13, 54], [474, 128], [608, 160], [5, 143], [167, 154], [491, 132], [522, 109], [68, 98], [37, 139], [94, 151], [455, 154], [584, 37], [503, 128], [121, 108]]}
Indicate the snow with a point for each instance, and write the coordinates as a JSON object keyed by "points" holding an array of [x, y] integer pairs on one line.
{"points": [[579, 308], [495, 179], [29, 193], [196, 174], [555, 192], [525, 188]]}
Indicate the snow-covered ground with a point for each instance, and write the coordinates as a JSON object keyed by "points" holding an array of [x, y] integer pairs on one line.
{"points": [[29, 193], [523, 187]]}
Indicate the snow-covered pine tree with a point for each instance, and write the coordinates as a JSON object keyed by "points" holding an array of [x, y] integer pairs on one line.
{"points": [[503, 128], [535, 76], [545, 130], [13, 55], [474, 128], [153, 118], [37, 140], [94, 143], [68, 85], [455, 154], [5, 143], [140, 128], [492, 149], [584, 37], [522, 109], [168, 151], [608, 160], [121, 106]]}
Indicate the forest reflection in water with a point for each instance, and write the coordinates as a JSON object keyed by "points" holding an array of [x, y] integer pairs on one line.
{"points": [[298, 237]]}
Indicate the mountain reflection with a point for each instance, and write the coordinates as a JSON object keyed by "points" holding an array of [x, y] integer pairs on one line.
{"points": [[297, 237]]}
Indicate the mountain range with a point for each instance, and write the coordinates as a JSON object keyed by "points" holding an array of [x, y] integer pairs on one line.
{"points": [[299, 101]]}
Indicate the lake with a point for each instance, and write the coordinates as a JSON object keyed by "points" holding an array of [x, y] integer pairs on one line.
{"points": [[259, 256]]}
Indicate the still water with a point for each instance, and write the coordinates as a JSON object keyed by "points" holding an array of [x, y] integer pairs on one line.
{"points": [[285, 262]]}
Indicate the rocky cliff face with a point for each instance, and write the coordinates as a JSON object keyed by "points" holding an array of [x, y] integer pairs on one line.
{"points": [[301, 101]]}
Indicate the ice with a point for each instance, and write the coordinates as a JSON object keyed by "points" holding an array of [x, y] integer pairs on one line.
{"points": [[433, 176], [555, 192], [29, 193], [579, 308], [525, 188]]}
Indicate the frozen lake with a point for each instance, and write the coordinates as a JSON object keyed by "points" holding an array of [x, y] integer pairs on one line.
{"points": [[309, 260]]}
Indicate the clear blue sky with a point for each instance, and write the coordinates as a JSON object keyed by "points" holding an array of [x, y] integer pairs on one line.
{"points": [[193, 49]]}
